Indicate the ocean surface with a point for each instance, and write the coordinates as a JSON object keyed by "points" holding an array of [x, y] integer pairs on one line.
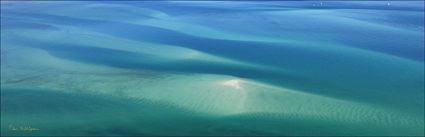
{"points": [[215, 68]]}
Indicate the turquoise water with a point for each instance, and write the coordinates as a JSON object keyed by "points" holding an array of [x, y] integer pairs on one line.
{"points": [[212, 68]]}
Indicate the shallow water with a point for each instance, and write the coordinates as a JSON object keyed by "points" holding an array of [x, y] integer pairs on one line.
{"points": [[212, 68]]}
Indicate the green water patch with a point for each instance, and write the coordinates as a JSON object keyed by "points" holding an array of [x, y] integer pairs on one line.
{"points": [[304, 125], [50, 112], [71, 113]]}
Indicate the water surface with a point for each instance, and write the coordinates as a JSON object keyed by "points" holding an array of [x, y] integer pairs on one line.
{"points": [[212, 68]]}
